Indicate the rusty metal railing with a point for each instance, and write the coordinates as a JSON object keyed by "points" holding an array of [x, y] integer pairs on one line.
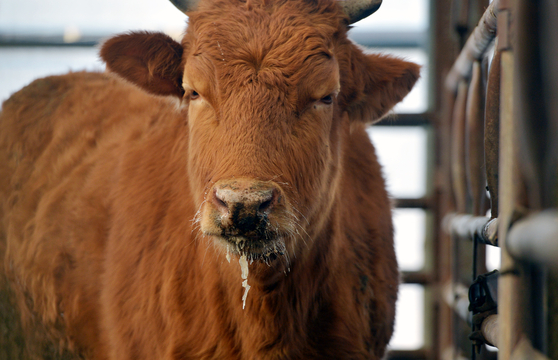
{"points": [[504, 161]]}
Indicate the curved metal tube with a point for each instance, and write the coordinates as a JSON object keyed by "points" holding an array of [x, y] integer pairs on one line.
{"points": [[534, 238], [475, 47]]}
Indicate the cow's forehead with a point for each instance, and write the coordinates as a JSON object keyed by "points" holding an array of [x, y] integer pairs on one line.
{"points": [[283, 34], [282, 47]]}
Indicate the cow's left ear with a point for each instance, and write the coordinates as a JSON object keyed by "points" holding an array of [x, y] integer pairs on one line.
{"points": [[376, 84], [150, 60]]}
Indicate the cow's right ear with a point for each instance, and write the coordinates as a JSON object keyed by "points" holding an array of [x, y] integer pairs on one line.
{"points": [[375, 84], [150, 60]]}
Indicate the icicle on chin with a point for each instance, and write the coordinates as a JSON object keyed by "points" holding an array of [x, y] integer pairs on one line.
{"points": [[244, 275]]}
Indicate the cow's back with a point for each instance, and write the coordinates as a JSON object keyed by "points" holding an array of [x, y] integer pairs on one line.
{"points": [[61, 140]]}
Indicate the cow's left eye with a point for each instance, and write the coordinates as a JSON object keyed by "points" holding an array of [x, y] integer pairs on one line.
{"points": [[327, 99], [194, 95]]}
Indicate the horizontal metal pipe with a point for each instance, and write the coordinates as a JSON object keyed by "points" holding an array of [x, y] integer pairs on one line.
{"points": [[466, 227], [424, 119], [412, 277], [475, 47], [452, 353], [522, 351], [7, 41], [420, 203], [489, 330], [377, 39], [456, 297], [421, 354], [525, 351], [535, 238]]}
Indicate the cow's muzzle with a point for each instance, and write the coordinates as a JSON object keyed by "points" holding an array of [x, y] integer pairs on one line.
{"points": [[248, 216]]}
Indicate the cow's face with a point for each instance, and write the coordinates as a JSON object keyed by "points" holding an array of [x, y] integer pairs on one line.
{"points": [[271, 93], [264, 125]]}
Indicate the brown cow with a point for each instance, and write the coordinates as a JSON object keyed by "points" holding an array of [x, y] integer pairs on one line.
{"points": [[125, 214]]}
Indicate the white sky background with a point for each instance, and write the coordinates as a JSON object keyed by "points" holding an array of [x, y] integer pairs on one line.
{"points": [[109, 16], [402, 151], [90, 17]]}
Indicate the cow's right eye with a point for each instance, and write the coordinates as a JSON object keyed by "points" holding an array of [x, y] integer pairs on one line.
{"points": [[194, 95], [327, 100]]}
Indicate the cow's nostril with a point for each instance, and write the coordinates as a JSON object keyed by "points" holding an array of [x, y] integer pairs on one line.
{"points": [[265, 205], [219, 202], [267, 200]]}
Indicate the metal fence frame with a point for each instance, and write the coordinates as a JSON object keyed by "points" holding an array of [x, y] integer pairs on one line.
{"points": [[503, 126]]}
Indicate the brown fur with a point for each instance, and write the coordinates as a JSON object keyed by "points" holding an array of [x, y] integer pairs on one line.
{"points": [[104, 192]]}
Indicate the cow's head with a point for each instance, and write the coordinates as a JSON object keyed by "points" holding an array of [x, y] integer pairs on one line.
{"points": [[273, 89]]}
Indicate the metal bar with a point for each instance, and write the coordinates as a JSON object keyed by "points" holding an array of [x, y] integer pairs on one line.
{"points": [[510, 303], [548, 19], [458, 150], [443, 51], [492, 131], [413, 277], [443, 255], [490, 330], [525, 351], [474, 48], [451, 353], [466, 227], [48, 41], [420, 203], [423, 119], [503, 25], [460, 18], [474, 141], [534, 146], [420, 354], [535, 239], [394, 39], [456, 296], [529, 101]]}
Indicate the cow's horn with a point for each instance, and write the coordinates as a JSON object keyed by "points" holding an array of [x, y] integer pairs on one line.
{"points": [[359, 9], [185, 5], [355, 9]]}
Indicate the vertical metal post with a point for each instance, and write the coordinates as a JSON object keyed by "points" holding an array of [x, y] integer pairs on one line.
{"points": [[509, 292], [492, 131], [458, 174], [443, 51], [474, 136], [537, 85]]}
